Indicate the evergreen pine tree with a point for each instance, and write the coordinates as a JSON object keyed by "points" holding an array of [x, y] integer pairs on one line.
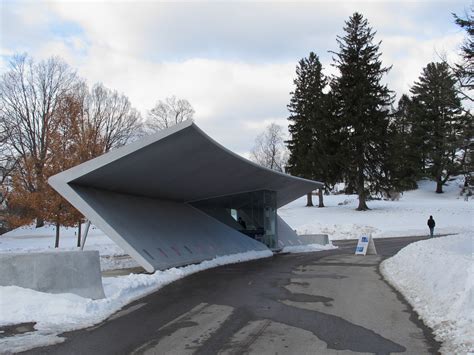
{"points": [[466, 155], [308, 116], [326, 151], [440, 124], [464, 71], [362, 107], [402, 157]]}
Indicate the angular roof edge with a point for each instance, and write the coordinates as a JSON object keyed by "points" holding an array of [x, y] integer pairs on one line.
{"points": [[116, 154], [109, 157]]}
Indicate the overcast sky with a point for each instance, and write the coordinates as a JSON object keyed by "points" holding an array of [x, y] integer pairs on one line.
{"points": [[234, 61]]}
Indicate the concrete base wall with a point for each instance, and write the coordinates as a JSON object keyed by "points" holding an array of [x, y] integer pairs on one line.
{"points": [[322, 239], [75, 272], [288, 237]]}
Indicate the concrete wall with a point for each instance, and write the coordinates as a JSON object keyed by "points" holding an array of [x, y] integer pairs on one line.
{"points": [[288, 237], [322, 239], [161, 234], [75, 272]]}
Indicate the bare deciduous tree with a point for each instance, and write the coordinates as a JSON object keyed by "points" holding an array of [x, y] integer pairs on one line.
{"points": [[7, 165], [29, 95], [37, 102], [90, 124], [269, 149], [111, 116], [168, 113]]}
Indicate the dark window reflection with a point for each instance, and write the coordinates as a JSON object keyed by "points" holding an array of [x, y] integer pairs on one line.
{"points": [[252, 213]]}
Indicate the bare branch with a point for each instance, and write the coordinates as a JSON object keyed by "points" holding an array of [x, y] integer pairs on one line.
{"points": [[168, 113], [269, 149], [29, 94]]}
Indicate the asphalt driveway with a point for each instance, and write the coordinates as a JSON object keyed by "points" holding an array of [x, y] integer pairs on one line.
{"points": [[330, 302]]}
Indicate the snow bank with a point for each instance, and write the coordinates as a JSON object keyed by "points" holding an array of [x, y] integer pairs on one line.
{"points": [[406, 217], [57, 313], [307, 248], [436, 277], [31, 239]]}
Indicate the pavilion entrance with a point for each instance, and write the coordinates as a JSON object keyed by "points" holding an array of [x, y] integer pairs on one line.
{"points": [[251, 213]]}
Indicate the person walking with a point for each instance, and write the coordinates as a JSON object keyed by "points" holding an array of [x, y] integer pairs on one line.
{"points": [[431, 224]]}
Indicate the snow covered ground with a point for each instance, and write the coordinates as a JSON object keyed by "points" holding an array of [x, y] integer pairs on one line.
{"points": [[307, 248], [57, 313], [406, 217], [437, 277]]}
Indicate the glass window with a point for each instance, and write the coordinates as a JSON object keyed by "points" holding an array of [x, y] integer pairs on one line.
{"points": [[252, 213]]}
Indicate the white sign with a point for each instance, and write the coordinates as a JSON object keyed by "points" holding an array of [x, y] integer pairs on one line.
{"points": [[365, 245]]}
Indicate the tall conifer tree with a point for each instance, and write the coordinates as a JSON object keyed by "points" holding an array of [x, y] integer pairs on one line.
{"points": [[362, 107], [464, 71], [403, 153], [440, 125], [306, 108]]}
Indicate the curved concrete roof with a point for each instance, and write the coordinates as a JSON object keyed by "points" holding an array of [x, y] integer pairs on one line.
{"points": [[182, 164], [138, 196]]}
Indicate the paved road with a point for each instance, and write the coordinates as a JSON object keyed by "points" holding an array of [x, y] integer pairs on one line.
{"points": [[329, 302]]}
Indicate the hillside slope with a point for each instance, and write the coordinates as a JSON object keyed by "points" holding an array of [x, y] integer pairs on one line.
{"points": [[406, 217]]}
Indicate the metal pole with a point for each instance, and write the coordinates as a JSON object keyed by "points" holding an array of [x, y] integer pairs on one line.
{"points": [[86, 231]]}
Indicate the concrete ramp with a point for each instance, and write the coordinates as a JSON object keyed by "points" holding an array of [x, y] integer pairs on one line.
{"points": [[76, 272], [288, 237]]}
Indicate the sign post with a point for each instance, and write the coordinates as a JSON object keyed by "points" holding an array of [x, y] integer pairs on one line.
{"points": [[365, 246]]}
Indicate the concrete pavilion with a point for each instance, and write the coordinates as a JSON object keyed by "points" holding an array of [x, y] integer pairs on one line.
{"points": [[178, 197]]}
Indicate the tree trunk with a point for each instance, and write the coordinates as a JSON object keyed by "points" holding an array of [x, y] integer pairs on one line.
{"points": [[439, 185], [39, 222], [362, 204], [361, 190], [321, 199], [309, 199], [79, 228], [56, 243]]}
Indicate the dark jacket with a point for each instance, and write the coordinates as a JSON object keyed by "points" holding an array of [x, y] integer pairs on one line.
{"points": [[431, 223]]}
